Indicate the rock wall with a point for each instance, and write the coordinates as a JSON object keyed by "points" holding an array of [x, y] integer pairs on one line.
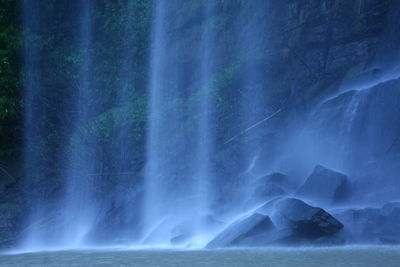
{"points": [[310, 57]]}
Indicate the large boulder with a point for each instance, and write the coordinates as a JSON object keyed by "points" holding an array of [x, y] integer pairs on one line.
{"points": [[304, 220], [244, 232], [323, 186], [268, 191], [274, 178], [267, 188]]}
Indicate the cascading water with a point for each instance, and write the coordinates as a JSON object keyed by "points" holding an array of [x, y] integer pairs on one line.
{"points": [[32, 112], [178, 181], [209, 89], [65, 221], [203, 173], [81, 165], [154, 198], [251, 41]]}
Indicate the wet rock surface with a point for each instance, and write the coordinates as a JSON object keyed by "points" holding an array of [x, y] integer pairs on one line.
{"points": [[275, 178], [243, 231], [306, 221], [323, 186], [292, 222], [372, 225], [269, 190]]}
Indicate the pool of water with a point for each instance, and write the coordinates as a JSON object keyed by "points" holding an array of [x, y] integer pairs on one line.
{"points": [[274, 257]]}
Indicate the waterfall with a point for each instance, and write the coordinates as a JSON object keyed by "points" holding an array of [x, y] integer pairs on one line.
{"points": [[67, 218], [252, 40], [162, 123], [154, 198], [179, 177], [80, 167], [32, 113], [204, 146]]}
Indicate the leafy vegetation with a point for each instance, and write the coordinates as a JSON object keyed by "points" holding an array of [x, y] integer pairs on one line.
{"points": [[10, 82]]}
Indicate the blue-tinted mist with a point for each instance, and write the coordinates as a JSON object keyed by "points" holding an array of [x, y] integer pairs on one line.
{"points": [[80, 169], [32, 112], [219, 136], [179, 176], [252, 40]]}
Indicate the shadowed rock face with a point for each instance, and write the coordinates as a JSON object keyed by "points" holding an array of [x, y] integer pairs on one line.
{"points": [[323, 186], [269, 190], [306, 221], [276, 178], [296, 222]]}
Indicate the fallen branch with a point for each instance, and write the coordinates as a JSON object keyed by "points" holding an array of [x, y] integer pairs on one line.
{"points": [[254, 125]]}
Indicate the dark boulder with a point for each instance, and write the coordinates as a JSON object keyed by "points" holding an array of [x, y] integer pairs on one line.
{"points": [[323, 186], [305, 221], [244, 231]]}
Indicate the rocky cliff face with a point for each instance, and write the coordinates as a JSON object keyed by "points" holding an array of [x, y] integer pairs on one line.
{"points": [[309, 60], [307, 51]]}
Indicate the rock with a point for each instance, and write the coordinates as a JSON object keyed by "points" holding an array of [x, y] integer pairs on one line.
{"points": [[273, 237], [372, 225], [268, 190], [361, 224], [177, 240], [388, 208], [274, 178], [323, 186], [389, 241], [243, 231], [268, 207], [305, 221]]}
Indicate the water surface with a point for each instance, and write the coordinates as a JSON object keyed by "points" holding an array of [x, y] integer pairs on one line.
{"points": [[340, 257]]}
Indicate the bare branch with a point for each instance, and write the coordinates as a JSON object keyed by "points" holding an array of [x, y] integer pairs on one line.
{"points": [[254, 126]]}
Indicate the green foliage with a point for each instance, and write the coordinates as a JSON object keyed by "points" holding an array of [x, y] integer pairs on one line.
{"points": [[131, 118], [10, 99]]}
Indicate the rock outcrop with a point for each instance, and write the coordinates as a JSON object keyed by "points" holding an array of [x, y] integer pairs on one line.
{"points": [[244, 231], [304, 220], [323, 186], [372, 225], [292, 222]]}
